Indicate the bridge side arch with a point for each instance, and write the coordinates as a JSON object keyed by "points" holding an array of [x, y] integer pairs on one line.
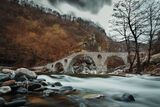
{"points": [[113, 62]]}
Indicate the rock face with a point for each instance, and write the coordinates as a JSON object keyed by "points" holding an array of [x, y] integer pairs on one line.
{"points": [[5, 89], [156, 72], [26, 72]]}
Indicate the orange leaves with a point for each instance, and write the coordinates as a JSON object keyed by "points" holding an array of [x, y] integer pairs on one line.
{"points": [[44, 38]]}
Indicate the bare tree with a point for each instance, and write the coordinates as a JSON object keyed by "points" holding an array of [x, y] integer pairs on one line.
{"points": [[153, 23], [132, 15], [120, 25]]}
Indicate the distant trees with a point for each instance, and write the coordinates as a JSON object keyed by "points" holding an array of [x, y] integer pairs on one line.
{"points": [[133, 19], [66, 17]]}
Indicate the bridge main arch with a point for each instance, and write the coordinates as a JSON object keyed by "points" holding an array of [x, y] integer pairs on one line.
{"points": [[82, 63]]}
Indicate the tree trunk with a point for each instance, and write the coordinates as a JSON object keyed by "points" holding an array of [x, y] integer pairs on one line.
{"points": [[138, 57], [149, 50]]}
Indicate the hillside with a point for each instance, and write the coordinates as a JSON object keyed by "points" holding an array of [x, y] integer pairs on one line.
{"points": [[31, 37]]}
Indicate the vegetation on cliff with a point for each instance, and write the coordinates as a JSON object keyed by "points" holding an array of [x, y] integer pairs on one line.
{"points": [[31, 37]]}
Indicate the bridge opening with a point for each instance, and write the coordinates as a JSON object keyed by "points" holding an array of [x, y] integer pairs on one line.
{"points": [[65, 60], [59, 67], [82, 64], [113, 62], [99, 56]]}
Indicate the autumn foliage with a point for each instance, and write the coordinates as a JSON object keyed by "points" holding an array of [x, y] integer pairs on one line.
{"points": [[30, 37]]}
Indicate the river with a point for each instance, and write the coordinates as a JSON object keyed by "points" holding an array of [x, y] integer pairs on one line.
{"points": [[145, 89]]}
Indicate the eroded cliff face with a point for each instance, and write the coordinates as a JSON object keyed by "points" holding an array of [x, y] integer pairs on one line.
{"points": [[31, 37]]}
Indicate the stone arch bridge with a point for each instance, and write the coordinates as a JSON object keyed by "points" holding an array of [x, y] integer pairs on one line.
{"points": [[99, 59]]}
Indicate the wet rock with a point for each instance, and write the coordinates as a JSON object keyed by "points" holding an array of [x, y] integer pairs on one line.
{"points": [[127, 97], [29, 74], [38, 80], [4, 77], [82, 105], [94, 96], [11, 73], [12, 76], [9, 83], [42, 88], [2, 101], [21, 78], [49, 92], [16, 103], [53, 85], [33, 86], [5, 89], [21, 90], [67, 90], [14, 87], [57, 84], [57, 76], [44, 83], [8, 71]]}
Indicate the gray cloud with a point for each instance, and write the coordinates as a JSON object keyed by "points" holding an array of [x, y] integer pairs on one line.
{"points": [[86, 5]]}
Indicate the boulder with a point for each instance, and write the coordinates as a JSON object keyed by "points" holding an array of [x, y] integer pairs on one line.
{"points": [[82, 105], [42, 88], [4, 77], [44, 83], [5, 89], [33, 86], [67, 90], [15, 103], [9, 83], [21, 90], [2, 101], [57, 84], [49, 92], [21, 78], [39, 80], [127, 97], [29, 74], [8, 71]]}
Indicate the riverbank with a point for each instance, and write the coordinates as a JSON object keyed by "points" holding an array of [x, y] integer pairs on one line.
{"points": [[23, 87]]}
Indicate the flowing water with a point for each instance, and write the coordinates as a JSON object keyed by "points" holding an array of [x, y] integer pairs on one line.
{"points": [[145, 89]]}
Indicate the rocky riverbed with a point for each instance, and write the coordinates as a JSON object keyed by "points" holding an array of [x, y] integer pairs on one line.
{"points": [[24, 88]]}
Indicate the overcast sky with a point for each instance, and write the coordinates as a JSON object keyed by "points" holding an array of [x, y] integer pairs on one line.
{"points": [[99, 11]]}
